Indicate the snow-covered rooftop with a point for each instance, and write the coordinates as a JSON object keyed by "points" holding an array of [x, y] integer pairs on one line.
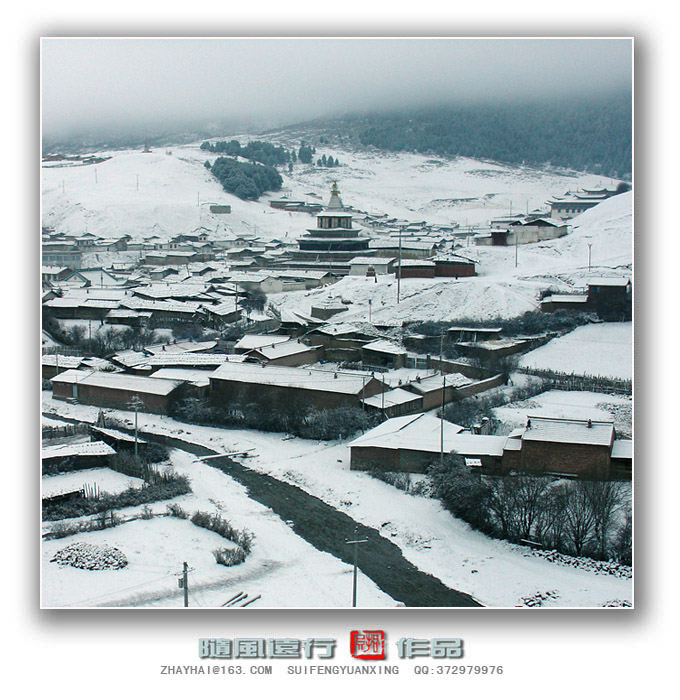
{"points": [[293, 377], [417, 432], [253, 341], [126, 382], [569, 430], [82, 448], [286, 349], [395, 397], [455, 379]]}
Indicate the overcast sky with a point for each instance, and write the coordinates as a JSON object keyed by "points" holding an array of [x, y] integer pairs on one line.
{"points": [[100, 84]]}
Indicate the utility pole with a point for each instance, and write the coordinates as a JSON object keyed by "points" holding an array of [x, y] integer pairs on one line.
{"points": [[135, 404], [356, 544], [516, 247], [186, 585], [441, 351], [183, 582], [399, 270], [441, 425], [382, 396], [590, 246]]}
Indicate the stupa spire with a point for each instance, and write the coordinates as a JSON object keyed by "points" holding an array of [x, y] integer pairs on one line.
{"points": [[335, 202]]}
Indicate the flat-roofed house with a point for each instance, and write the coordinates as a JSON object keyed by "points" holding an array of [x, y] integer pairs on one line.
{"points": [[577, 447], [114, 390], [369, 266], [290, 353], [437, 390], [383, 353], [396, 402], [286, 388]]}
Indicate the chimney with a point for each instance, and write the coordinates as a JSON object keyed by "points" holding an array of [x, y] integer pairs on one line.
{"points": [[590, 423]]}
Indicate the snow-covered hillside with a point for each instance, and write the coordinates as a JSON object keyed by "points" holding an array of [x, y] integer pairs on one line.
{"points": [[175, 190], [142, 194]]}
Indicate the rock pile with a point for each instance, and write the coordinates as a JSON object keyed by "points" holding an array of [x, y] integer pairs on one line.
{"points": [[89, 556], [599, 567], [536, 600]]}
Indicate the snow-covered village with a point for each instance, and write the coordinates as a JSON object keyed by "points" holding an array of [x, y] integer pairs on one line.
{"points": [[300, 367]]}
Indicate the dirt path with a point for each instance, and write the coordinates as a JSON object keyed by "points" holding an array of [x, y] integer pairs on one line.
{"points": [[328, 530]]}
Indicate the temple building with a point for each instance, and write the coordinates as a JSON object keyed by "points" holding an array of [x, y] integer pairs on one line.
{"points": [[334, 239], [572, 204]]}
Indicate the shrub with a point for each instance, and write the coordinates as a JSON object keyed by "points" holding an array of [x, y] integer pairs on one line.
{"points": [[399, 480], [334, 424], [176, 511], [216, 523], [463, 493], [147, 513], [172, 486], [155, 452], [229, 557]]}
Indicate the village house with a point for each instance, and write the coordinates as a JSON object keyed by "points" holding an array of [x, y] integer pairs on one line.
{"points": [[369, 267], [114, 390], [601, 293], [561, 446], [415, 268], [383, 353], [81, 455], [454, 266], [439, 389], [253, 341], [285, 388], [290, 353], [393, 403], [558, 447], [408, 250]]}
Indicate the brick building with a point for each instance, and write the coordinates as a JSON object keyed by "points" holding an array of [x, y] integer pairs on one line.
{"points": [[110, 390], [287, 388]]}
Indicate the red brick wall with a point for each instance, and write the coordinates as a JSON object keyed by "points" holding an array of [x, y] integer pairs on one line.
{"points": [[443, 269], [416, 272], [588, 461]]}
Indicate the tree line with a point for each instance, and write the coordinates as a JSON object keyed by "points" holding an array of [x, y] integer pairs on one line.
{"points": [[586, 134], [258, 151]]}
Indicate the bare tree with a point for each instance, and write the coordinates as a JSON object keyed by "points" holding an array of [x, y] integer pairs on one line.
{"points": [[580, 520], [527, 502], [606, 500], [549, 528]]}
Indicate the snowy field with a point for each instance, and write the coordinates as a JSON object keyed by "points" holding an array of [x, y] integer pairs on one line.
{"points": [[599, 349], [282, 568], [494, 572], [104, 480]]}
